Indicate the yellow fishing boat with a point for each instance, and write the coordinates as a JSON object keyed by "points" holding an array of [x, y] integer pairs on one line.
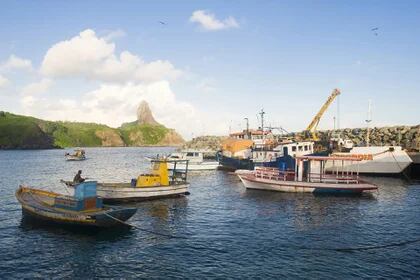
{"points": [[158, 183]]}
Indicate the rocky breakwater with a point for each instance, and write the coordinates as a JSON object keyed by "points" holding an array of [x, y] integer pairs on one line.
{"points": [[406, 136], [209, 144]]}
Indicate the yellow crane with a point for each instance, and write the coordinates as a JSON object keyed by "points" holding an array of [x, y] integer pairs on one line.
{"points": [[311, 129]]}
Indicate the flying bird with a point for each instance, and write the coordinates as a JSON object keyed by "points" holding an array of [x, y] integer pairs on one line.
{"points": [[163, 23], [375, 30]]}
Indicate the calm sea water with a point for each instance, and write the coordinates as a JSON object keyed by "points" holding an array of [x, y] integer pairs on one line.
{"points": [[219, 231]]}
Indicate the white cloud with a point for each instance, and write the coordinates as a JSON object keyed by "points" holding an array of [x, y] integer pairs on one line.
{"points": [[94, 58], [209, 21], [15, 62], [37, 87], [114, 104], [115, 34], [3, 81]]}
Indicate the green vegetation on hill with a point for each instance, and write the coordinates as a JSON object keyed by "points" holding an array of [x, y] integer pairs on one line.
{"points": [[23, 132], [135, 134]]}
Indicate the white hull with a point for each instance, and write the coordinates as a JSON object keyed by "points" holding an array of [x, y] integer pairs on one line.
{"points": [[205, 165], [301, 187], [72, 158], [383, 161], [118, 191]]}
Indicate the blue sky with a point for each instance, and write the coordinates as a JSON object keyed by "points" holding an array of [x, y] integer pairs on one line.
{"points": [[285, 56]]}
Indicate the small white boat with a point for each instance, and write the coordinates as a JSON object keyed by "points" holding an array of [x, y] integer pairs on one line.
{"points": [[303, 179], [191, 159], [375, 160], [159, 183], [78, 154]]}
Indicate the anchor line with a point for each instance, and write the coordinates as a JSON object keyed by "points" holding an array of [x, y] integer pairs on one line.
{"points": [[145, 230], [405, 175]]}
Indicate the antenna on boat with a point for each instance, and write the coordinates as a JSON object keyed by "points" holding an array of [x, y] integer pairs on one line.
{"points": [[247, 126], [262, 113], [368, 120]]}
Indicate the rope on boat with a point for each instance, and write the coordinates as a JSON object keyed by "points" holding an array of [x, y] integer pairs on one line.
{"points": [[365, 248], [402, 170], [145, 230]]}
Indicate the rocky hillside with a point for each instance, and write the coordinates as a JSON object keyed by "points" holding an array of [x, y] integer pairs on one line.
{"points": [[23, 132], [147, 131]]}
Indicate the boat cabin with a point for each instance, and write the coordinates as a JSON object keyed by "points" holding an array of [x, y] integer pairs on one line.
{"points": [[161, 176], [312, 169], [295, 149], [192, 156], [84, 198]]}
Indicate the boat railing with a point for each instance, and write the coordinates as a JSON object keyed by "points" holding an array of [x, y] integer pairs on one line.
{"points": [[271, 173], [333, 178]]}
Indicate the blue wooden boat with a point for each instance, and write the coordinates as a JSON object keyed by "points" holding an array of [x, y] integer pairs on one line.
{"points": [[84, 208]]}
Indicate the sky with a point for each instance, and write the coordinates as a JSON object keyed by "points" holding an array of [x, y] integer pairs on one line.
{"points": [[204, 66]]}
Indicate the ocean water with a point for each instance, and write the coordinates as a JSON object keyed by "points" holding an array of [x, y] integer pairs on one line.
{"points": [[219, 231]]}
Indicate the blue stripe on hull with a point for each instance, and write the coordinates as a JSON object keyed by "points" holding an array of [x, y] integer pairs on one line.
{"points": [[335, 191]]}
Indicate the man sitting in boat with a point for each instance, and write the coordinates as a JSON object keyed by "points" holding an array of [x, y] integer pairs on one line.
{"points": [[78, 178]]}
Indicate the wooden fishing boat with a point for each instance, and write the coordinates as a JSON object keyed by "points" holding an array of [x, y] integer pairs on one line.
{"points": [[78, 155], [304, 177], [85, 208], [159, 183]]}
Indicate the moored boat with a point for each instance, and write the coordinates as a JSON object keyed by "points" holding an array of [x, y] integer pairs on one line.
{"points": [[303, 177], [159, 183], [384, 160], [85, 208], [78, 154], [195, 158]]}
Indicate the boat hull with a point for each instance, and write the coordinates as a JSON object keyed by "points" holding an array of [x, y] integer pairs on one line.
{"points": [[35, 204], [120, 192], [213, 165], [250, 182], [229, 163], [383, 161]]}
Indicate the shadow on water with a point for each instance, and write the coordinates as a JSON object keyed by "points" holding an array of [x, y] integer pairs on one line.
{"points": [[100, 234]]}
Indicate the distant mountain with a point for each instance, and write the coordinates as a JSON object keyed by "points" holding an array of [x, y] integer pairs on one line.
{"points": [[147, 131], [23, 132]]}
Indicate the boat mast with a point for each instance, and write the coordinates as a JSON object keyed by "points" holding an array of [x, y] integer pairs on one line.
{"points": [[368, 120], [262, 126], [247, 128]]}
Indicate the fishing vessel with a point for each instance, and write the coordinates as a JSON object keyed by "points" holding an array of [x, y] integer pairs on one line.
{"points": [[195, 158], [387, 160], [77, 155], [158, 183], [309, 175], [84, 208]]}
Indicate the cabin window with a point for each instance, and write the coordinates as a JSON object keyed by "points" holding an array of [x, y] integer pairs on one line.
{"points": [[294, 149], [190, 154], [196, 154], [306, 148], [300, 148]]}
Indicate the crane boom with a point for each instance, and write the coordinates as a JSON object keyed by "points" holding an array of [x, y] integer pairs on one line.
{"points": [[315, 121]]}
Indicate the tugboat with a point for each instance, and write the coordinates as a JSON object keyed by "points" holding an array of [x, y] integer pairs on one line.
{"points": [[158, 183], [85, 208]]}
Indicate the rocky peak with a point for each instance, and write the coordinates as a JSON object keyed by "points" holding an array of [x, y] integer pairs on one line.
{"points": [[144, 114]]}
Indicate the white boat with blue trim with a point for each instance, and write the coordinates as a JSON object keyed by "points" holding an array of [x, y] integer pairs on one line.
{"points": [[306, 178]]}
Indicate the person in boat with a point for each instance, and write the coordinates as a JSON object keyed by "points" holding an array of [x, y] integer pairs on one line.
{"points": [[78, 178]]}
